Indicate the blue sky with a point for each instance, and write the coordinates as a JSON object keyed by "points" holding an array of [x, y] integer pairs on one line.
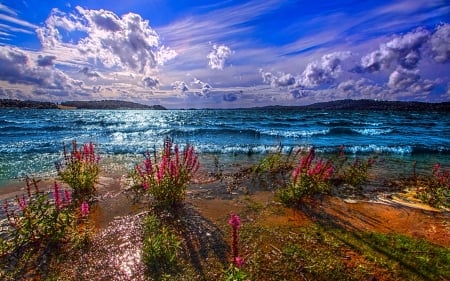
{"points": [[225, 54]]}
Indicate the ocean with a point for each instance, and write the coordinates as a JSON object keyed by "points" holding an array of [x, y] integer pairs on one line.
{"points": [[32, 140]]}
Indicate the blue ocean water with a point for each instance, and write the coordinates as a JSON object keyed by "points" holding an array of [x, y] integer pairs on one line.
{"points": [[31, 140]]}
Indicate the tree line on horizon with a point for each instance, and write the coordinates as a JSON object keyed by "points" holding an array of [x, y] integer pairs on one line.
{"points": [[347, 104]]}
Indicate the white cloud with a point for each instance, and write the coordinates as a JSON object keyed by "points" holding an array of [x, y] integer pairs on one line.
{"points": [[280, 80], [363, 87], [17, 21], [204, 87], [324, 71], [180, 86], [440, 43], [126, 42], [16, 67], [7, 10], [403, 80], [403, 50], [218, 56]]}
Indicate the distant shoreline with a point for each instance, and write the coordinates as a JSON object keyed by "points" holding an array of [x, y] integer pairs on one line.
{"points": [[73, 105], [348, 104]]}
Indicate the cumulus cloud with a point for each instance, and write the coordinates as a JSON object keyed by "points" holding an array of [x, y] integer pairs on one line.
{"points": [[408, 80], [204, 87], [363, 87], [325, 70], [150, 82], [127, 42], [402, 50], [281, 80], [218, 56], [180, 86], [440, 43], [16, 67]]}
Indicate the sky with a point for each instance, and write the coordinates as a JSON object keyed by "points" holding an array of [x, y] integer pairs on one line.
{"points": [[225, 54]]}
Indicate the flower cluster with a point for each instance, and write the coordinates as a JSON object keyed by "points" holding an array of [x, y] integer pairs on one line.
{"points": [[308, 178], [80, 170], [321, 171], [37, 218], [84, 209], [167, 180]]}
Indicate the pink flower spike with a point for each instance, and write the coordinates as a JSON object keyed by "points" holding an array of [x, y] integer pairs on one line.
{"points": [[238, 261], [234, 221], [84, 209], [148, 166], [23, 203], [57, 196], [145, 185]]}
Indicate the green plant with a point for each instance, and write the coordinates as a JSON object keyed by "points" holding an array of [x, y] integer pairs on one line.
{"points": [[234, 273], [355, 173], [436, 188], [270, 171], [308, 178], [167, 180], [38, 219], [161, 248], [80, 169]]}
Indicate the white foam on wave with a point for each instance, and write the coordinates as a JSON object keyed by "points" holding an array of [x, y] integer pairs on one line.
{"points": [[294, 134], [372, 131], [372, 148]]}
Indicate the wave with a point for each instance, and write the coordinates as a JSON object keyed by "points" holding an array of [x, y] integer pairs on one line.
{"points": [[294, 134], [250, 149], [373, 131]]}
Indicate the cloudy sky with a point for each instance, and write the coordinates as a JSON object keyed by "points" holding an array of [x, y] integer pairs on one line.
{"points": [[227, 54]]}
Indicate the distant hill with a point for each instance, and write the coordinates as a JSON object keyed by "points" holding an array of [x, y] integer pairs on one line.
{"points": [[104, 104], [110, 104], [11, 103], [373, 105]]}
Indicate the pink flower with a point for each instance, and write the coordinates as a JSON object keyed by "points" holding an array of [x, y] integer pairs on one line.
{"points": [[145, 185], [148, 165], [234, 221], [139, 170], [238, 261], [84, 209], [328, 173], [22, 203], [57, 196]]}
